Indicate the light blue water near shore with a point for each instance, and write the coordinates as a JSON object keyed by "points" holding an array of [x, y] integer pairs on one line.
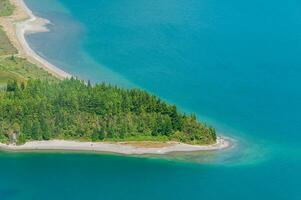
{"points": [[234, 63]]}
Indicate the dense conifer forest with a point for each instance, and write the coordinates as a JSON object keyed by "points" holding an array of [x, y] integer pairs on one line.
{"points": [[72, 109]]}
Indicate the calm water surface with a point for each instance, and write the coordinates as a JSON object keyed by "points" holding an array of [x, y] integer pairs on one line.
{"points": [[236, 64]]}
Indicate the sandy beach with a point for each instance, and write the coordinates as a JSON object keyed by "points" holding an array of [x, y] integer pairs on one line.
{"points": [[24, 22], [127, 148]]}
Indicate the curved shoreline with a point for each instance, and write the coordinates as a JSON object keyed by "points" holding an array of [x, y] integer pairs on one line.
{"points": [[34, 25], [26, 22], [126, 148], [23, 21]]}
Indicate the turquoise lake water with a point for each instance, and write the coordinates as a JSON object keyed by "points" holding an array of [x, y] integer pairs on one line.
{"points": [[236, 64]]}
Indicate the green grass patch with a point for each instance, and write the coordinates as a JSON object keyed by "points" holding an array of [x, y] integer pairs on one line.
{"points": [[14, 68], [6, 8], [7, 76], [6, 48]]}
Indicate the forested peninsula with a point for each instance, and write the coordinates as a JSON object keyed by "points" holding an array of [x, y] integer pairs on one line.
{"points": [[36, 106], [71, 109]]}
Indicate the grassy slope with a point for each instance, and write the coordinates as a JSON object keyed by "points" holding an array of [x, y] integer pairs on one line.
{"points": [[6, 48], [21, 70]]}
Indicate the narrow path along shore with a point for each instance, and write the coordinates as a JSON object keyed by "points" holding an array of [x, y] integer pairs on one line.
{"points": [[22, 22], [128, 148]]}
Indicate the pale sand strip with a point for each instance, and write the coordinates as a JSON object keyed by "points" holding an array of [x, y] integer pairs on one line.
{"points": [[118, 147], [22, 22]]}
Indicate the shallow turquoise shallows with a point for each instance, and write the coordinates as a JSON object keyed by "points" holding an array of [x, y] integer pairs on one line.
{"points": [[236, 64]]}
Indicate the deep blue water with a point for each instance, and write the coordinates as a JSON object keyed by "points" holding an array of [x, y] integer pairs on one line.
{"points": [[236, 64]]}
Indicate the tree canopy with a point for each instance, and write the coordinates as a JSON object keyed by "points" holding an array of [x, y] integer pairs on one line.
{"points": [[71, 109]]}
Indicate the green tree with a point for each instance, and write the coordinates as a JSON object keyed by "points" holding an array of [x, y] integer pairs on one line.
{"points": [[12, 86]]}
